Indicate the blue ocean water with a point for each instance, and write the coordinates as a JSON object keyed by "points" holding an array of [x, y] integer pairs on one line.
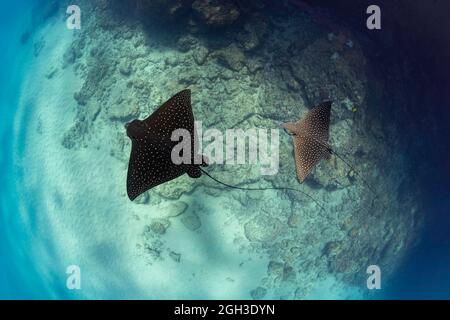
{"points": [[424, 274], [13, 274]]}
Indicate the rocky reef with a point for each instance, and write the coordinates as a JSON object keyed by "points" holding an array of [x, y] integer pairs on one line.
{"points": [[211, 13], [249, 68]]}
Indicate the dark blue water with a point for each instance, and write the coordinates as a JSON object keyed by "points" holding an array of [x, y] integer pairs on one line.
{"points": [[415, 33], [15, 283]]}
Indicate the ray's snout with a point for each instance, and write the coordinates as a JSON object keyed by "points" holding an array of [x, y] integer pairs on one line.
{"points": [[135, 129]]}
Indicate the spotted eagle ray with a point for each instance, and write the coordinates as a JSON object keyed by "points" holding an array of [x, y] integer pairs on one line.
{"points": [[310, 137], [150, 161]]}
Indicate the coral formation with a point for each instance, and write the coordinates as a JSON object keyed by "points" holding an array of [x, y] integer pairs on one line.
{"points": [[216, 13]]}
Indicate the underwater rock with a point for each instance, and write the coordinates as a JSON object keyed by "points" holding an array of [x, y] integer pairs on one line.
{"points": [[200, 54], [254, 33], [119, 151], [213, 192], [69, 57], [174, 189], [51, 72], [332, 248], [254, 65], [258, 293], [174, 209], [73, 52], [159, 226], [186, 43], [153, 249], [295, 251], [193, 26], [189, 79], [92, 82], [347, 224], [263, 228], [175, 256], [143, 198], [139, 83], [288, 273], [38, 46], [125, 68], [343, 77], [290, 81], [123, 112], [172, 60], [275, 269], [71, 137], [348, 104], [347, 263], [354, 232], [294, 220], [191, 221], [302, 292], [171, 10], [232, 57], [216, 13]]}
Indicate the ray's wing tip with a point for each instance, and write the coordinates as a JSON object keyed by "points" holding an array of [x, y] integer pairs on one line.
{"points": [[186, 91], [131, 196], [301, 179]]}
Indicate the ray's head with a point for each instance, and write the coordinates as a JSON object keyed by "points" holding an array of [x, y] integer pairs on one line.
{"points": [[136, 129]]}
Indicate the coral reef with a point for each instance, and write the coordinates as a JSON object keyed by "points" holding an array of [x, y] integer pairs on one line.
{"points": [[216, 13]]}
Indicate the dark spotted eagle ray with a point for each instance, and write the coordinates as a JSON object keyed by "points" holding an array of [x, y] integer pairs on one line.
{"points": [[150, 159], [151, 146], [310, 136]]}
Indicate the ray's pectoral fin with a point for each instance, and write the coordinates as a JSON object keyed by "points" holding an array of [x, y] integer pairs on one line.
{"points": [[308, 152]]}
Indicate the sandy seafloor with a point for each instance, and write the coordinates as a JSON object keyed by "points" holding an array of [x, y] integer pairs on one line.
{"points": [[72, 209]]}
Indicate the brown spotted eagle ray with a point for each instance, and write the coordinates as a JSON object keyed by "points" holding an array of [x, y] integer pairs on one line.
{"points": [[310, 137]]}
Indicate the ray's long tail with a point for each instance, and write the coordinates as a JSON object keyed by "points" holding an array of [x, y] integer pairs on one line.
{"points": [[343, 159], [374, 193], [262, 189]]}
